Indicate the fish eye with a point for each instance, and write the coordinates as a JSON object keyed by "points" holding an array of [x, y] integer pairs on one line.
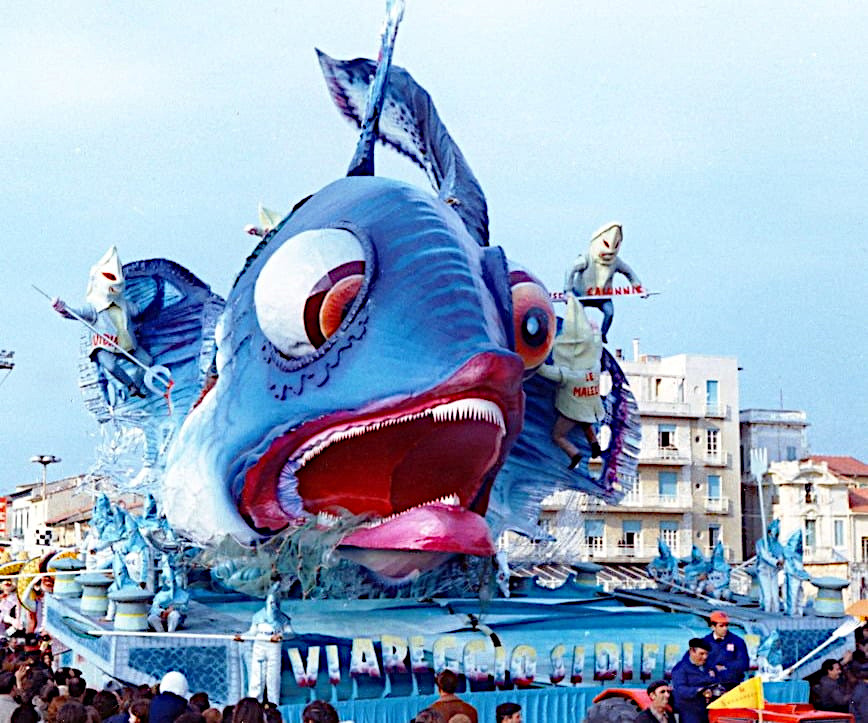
{"points": [[533, 318], [307, 289]]}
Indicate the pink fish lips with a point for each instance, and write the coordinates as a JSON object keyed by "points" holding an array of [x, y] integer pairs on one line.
{"points": [[420, 468]]}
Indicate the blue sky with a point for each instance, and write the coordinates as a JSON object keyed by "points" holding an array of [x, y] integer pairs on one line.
{"points": [[729, 139]]}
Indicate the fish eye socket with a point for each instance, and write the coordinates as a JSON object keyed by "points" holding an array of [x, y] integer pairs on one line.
{"points": [[307, 288], [533, 319]]}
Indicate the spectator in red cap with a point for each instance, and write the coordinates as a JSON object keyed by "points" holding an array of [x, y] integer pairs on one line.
{"points": [[728, 655]]}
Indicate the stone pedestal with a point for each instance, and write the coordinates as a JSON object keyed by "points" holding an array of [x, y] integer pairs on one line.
{"points": [[829, 602], [65, 582], [94, 601], [586, 574], [131, 608]]}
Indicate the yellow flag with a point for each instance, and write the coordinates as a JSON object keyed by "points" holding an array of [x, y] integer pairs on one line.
{"points": [[745, 695]]}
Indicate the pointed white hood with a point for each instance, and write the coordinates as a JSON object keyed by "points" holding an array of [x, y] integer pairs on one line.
{"points": [[106, 282]]}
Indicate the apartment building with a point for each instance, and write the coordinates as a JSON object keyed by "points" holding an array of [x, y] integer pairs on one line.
{"points": [[687, 491], [783, 434], [823, 497]]}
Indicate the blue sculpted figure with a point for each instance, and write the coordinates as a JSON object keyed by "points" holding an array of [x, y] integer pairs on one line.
{"points": [[696, 570], [720, 573], [794, 575], [121, 579], [169, 608], [769, 561], [95, 555], [138, 552], [150, 519], [664, 567], [770, 655]]}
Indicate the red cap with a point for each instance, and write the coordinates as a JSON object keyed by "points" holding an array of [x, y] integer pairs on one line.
{"points": [[718, 616]]}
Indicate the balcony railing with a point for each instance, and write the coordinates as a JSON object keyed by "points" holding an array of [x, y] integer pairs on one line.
{"points": [[824, 554], [717, 505], [632, 500], [666, 409], [664, 455], [653, 501], [583, 549], [718, 459], [716, 410]]}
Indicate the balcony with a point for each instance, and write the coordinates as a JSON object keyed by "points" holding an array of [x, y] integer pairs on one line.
{"points": [[633, 500], [826, 554], [664, 455], [716, 410], [717, 459], [660, 408], [653, 502], [717, 505]]}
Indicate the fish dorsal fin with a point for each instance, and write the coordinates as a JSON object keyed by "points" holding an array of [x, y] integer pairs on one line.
{"points": [[408, 122]]}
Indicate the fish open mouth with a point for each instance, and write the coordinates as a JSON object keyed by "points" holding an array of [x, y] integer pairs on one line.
{"points": [[420, 469]]}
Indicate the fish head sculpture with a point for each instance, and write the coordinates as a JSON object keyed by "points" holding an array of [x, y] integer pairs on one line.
{"points": [[366, 364]]}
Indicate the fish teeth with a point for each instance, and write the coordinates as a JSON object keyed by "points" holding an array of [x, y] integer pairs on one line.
{"points": [[326, 519], [457, 411], [452, 500]]}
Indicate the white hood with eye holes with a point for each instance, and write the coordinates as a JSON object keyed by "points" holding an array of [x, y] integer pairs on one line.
{"points": [[106, 283]]}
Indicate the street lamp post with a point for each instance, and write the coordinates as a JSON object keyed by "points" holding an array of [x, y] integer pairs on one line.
{"points": [[45, 460]]}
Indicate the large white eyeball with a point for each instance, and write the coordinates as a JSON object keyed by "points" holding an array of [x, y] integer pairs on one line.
{"points": [[307, 287]]}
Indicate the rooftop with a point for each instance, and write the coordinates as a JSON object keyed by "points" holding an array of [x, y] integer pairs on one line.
{"points": [[844, 466]]}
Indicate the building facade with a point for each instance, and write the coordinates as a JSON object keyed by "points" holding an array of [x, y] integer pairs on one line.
{"points": [[783, 434], [830, 510]]}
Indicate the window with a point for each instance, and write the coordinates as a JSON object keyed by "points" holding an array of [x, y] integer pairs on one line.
{"points": [[810, 534], [669, 534], [809, 493], [666, 436], [630, 530], [865, 549], [713, 535], [714, 486], [594, 534], [712, 441], [839, 533], [711, 393], [667, 484], [791, 454]]}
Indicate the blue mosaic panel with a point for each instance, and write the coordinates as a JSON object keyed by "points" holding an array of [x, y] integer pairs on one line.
{"points": [[100, 646], [206, 667], [797, 643]]}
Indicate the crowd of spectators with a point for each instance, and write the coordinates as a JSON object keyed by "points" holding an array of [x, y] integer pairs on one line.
{"points": [[32, 691], [842, 685]]}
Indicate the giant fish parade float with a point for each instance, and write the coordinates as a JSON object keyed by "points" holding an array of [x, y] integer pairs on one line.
{"points": [[328, 463]]}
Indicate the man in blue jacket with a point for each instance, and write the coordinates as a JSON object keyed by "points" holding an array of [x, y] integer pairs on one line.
{"points": [[692, 683], [728, 655]]}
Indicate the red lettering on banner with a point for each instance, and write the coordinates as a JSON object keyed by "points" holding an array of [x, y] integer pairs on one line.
{"points": [[109, 340], [586, 391]]}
